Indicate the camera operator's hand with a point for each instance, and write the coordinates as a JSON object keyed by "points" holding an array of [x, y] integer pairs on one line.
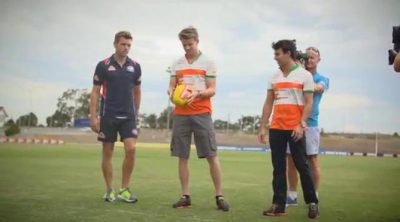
{"points": [[396, 63]]}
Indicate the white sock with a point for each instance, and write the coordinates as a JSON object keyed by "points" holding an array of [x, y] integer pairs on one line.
{"points": [[292, 194], [316, 193]]}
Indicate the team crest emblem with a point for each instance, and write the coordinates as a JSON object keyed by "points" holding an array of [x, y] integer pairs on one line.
{"points": [[101, 135], [130, 69]]}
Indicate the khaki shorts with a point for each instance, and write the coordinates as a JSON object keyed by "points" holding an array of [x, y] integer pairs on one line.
{"points": [[312, 141], [201, 126]]}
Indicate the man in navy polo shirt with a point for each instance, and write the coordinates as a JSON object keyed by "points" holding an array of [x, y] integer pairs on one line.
{"points": [[119, 79]]}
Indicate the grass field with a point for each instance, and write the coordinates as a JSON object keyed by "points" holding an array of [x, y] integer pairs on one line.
{"points": [[64, 183]]}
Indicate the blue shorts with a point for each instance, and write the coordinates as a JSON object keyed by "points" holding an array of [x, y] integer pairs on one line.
{"points": [[110, 127]]}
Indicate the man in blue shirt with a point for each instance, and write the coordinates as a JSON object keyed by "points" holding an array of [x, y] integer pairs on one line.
{"points": [[321, 83], [119, 79]]}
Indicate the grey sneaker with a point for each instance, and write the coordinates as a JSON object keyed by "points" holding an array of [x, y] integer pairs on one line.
{"points": [[313, 211], [183, 202], [222, 204]]}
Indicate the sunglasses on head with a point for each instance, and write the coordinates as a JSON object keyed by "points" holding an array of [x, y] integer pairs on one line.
{"points": [[313, 49]]}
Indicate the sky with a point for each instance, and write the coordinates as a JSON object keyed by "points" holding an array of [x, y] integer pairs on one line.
{"points": [[47, 47]]}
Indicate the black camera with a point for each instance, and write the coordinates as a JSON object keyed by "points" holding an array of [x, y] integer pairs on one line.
{"points": [[301, 56], [396, 44]]}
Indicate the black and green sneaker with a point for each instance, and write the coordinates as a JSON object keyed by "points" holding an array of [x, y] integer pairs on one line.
{"points": [[183, 202], [313, 211], [222, 204], [127, 196]]}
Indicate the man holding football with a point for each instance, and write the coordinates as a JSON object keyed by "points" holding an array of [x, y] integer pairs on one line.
{"points": [[198, 72]]}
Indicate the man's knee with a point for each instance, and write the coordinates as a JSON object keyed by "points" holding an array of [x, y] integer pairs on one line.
{"points": [[130, 151], [213, 160], [108, 149], [313, 159], [314, 162]]}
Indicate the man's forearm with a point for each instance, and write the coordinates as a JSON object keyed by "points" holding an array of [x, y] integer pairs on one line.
{"points": [[306, 111], [137, 102], [265, 115], [93, 104], [207, 93]]}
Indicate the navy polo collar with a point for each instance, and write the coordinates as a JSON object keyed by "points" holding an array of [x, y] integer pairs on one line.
{"points": [[114, 62]]}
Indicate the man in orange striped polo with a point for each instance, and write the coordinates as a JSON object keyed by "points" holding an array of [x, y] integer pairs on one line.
{"points": [[290, 95], [198, 72]]}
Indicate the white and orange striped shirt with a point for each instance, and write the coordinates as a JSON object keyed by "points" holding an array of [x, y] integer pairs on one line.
{"points": [[195, 76], [288, 97]]}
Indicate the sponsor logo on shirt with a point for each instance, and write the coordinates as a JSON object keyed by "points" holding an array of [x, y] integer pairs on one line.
{"points": [[111, 68]]}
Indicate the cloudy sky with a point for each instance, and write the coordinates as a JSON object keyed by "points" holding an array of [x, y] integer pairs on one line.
{"points": [[47, 47]]}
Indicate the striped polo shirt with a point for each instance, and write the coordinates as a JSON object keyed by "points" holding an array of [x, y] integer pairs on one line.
{"points": [[194, 75], [288, 97]]}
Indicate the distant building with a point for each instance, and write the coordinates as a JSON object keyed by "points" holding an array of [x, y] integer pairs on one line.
{"points": [[3, 115]]}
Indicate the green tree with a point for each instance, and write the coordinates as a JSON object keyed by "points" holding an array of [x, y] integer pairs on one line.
{"points": [[29, 119], [58, 119], [165, 115], [250, 123], [9, 122], [220, 124], [73, 103], [82, 105], [151, 121], [11, 128]]}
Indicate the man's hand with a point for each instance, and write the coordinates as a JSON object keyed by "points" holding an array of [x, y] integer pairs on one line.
{"points": [[262, 135], [195, 94], [318, 88], [95, 124], [298, 133]]}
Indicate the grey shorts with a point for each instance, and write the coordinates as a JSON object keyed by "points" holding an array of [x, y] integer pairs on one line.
{"points": [[201, 126]]}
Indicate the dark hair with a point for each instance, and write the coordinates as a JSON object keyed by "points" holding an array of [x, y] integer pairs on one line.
{"points": [[286, 46], [122, 34]]}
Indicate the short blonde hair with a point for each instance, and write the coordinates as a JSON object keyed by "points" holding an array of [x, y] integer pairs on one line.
{"points": [[122, 34], [189, 33]]}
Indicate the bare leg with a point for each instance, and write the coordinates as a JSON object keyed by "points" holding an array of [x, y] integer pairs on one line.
{"points": [[106, 164], [215, 171], [315, 170], [129, 161], [184, 175]]}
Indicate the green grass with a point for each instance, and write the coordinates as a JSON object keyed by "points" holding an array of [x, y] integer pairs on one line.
{"points": [[64, 183]]}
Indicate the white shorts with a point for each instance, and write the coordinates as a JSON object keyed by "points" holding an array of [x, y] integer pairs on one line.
{"points": [[312, 141]]}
